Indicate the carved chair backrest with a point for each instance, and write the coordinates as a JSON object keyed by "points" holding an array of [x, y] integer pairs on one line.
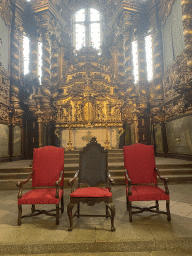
{"points": [[93, 164], [48, 162], [139, 160]]}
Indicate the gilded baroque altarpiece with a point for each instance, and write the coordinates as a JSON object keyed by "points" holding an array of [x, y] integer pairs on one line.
{"points": [[88, 103]]}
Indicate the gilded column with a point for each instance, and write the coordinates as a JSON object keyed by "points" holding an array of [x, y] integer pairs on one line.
{"points": [[129, 78], [157, 95], [46, 49], [113, 50], [120, 59], [186, 6], [15, 83], [128, 27], [187, 21], [15, 62], [54, 64]]}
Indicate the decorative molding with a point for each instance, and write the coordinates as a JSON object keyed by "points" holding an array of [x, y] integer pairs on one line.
{"points": [[5, 11]]}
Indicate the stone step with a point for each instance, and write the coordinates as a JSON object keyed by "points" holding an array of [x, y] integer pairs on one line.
{"points": [[72, 168], [174, 166], [112, 159], [70, 173], [111, 151], [16, 170], [176, 172], [111, 166], [118, 179], [173, 179]]}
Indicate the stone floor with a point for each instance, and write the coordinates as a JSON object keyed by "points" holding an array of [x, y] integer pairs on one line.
{"points": [[26, 163], [148, 234]]}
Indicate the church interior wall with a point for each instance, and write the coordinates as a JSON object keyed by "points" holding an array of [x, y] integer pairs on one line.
{"points": [[179, 135], [4, 141], [164, 104], [158, 139], [17, 141]]}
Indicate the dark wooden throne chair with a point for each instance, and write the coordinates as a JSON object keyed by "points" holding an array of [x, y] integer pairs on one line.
{"points": [[93, 171], [141, 180], [47, 182]]}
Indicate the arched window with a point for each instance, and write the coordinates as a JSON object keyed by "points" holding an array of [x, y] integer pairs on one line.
{"points": [[87, 28]]}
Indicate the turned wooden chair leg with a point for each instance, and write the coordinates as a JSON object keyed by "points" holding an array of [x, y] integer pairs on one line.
{"points": [[157, 205], [107, 211], [78, 210], [111, 206], [168, 210], [127, 204], [33, 208], [19, 214], [130, 211], [57, 214], [69, 212], [62, 205]]}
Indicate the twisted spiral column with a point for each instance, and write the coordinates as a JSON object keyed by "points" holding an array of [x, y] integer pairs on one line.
{"points": [[15, 55], [120, 59], [15, 67], [158, 66], [54, 64], [128, 58], [186, 6], [46, 60]]}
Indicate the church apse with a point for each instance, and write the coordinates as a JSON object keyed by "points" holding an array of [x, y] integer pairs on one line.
{"points": [[89, 99]]}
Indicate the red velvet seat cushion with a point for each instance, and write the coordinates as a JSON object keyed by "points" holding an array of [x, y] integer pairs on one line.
{"points": [[41, 196], [147, 193], [91, 192]]}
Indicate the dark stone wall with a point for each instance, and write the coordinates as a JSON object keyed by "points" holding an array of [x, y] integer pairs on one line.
{"points": [[179, 135]]}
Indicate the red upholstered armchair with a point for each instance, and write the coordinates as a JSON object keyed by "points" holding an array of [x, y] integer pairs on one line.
{"points": [[141, 179], [93, 170], [47, 182]]}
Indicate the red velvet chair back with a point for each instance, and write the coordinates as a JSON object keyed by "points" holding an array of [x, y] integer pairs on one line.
{"points": [[48, 162], [139, 160]]}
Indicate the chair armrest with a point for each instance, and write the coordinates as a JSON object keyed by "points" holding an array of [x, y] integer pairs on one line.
{"points": [[71, 181], [127, 177], [21, 183], [164, 179], [110, 179], [57, 184], [60, 178], [129, 182]]}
